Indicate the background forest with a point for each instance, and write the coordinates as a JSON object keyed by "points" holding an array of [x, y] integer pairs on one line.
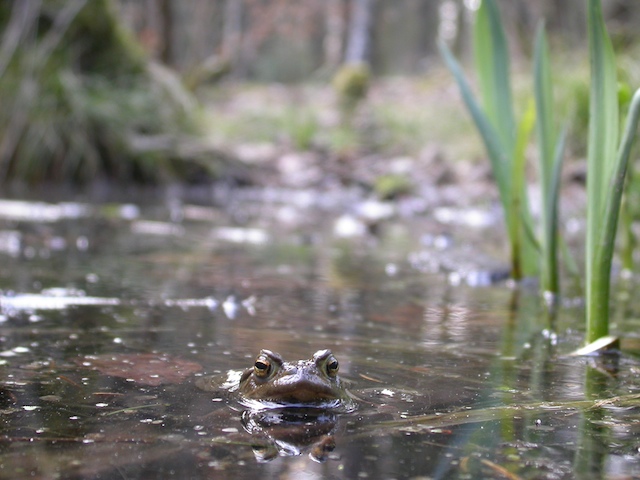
{"points": [[288, 41], [151, 90]]}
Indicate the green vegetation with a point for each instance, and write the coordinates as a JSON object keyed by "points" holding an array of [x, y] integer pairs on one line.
{"points": [[391, 186], [607, 156], [390, 123], [351, 83], [81, 101], [504, 140], [607, 162], [550, 152]]}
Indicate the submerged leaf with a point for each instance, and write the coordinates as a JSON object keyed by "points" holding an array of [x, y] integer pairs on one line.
{"points": [[142, 368]]}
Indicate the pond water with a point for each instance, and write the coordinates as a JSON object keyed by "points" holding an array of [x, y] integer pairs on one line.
{"points": [[111, 312]]}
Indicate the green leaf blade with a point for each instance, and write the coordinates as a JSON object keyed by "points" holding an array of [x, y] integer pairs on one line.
{"points": [[603, 112], [603, 201], [550, 151], [491, 139], [520, 221], [493, 66], [545, 124]]}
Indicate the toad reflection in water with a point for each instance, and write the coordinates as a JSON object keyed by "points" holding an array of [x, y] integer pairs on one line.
{"points": [[292, 406]]}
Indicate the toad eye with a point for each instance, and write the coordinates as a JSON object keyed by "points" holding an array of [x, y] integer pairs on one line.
{"points": [[262, 367], [332, 366]]}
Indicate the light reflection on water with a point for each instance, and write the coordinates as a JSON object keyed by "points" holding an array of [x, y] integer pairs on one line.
{"points": [[454, 381]]}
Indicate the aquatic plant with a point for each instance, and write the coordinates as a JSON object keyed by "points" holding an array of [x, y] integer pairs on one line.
{"points": [[607, 155], [504, 140], [550, 153], [606, 166]]}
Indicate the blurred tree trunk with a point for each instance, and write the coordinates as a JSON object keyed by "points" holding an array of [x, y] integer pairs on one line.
{"points": [[519, 25], [566, 18], [360, 31], [166, 32], [232, 33], [569, 17], [428, 34], [624, 15], [334, 31], [464, 26]]}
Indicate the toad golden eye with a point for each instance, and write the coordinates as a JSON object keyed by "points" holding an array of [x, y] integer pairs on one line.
{"points": [[332, 367], [262, 367]]}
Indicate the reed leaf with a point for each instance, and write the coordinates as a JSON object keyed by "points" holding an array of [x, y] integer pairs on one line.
{"points": [[616, 184], [550, 151], [508, 172], [603, 135], [598, 303], [492, 65], [490, 138], [607, 164], [505, 139], [520, 223]]}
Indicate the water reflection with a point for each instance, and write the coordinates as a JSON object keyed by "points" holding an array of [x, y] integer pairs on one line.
{"points": [[290, 432]]}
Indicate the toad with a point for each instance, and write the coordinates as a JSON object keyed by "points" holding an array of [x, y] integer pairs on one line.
{"points": [[274, 383]]}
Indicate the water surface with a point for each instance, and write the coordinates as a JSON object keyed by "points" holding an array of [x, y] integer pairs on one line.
{"points": [[458, 374]]}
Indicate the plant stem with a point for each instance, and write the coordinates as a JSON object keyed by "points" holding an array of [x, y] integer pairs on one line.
{"points": [[603, 138], [598, 300]]}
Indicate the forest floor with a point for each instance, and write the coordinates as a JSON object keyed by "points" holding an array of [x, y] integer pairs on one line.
{"points": [[410, 136]]}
